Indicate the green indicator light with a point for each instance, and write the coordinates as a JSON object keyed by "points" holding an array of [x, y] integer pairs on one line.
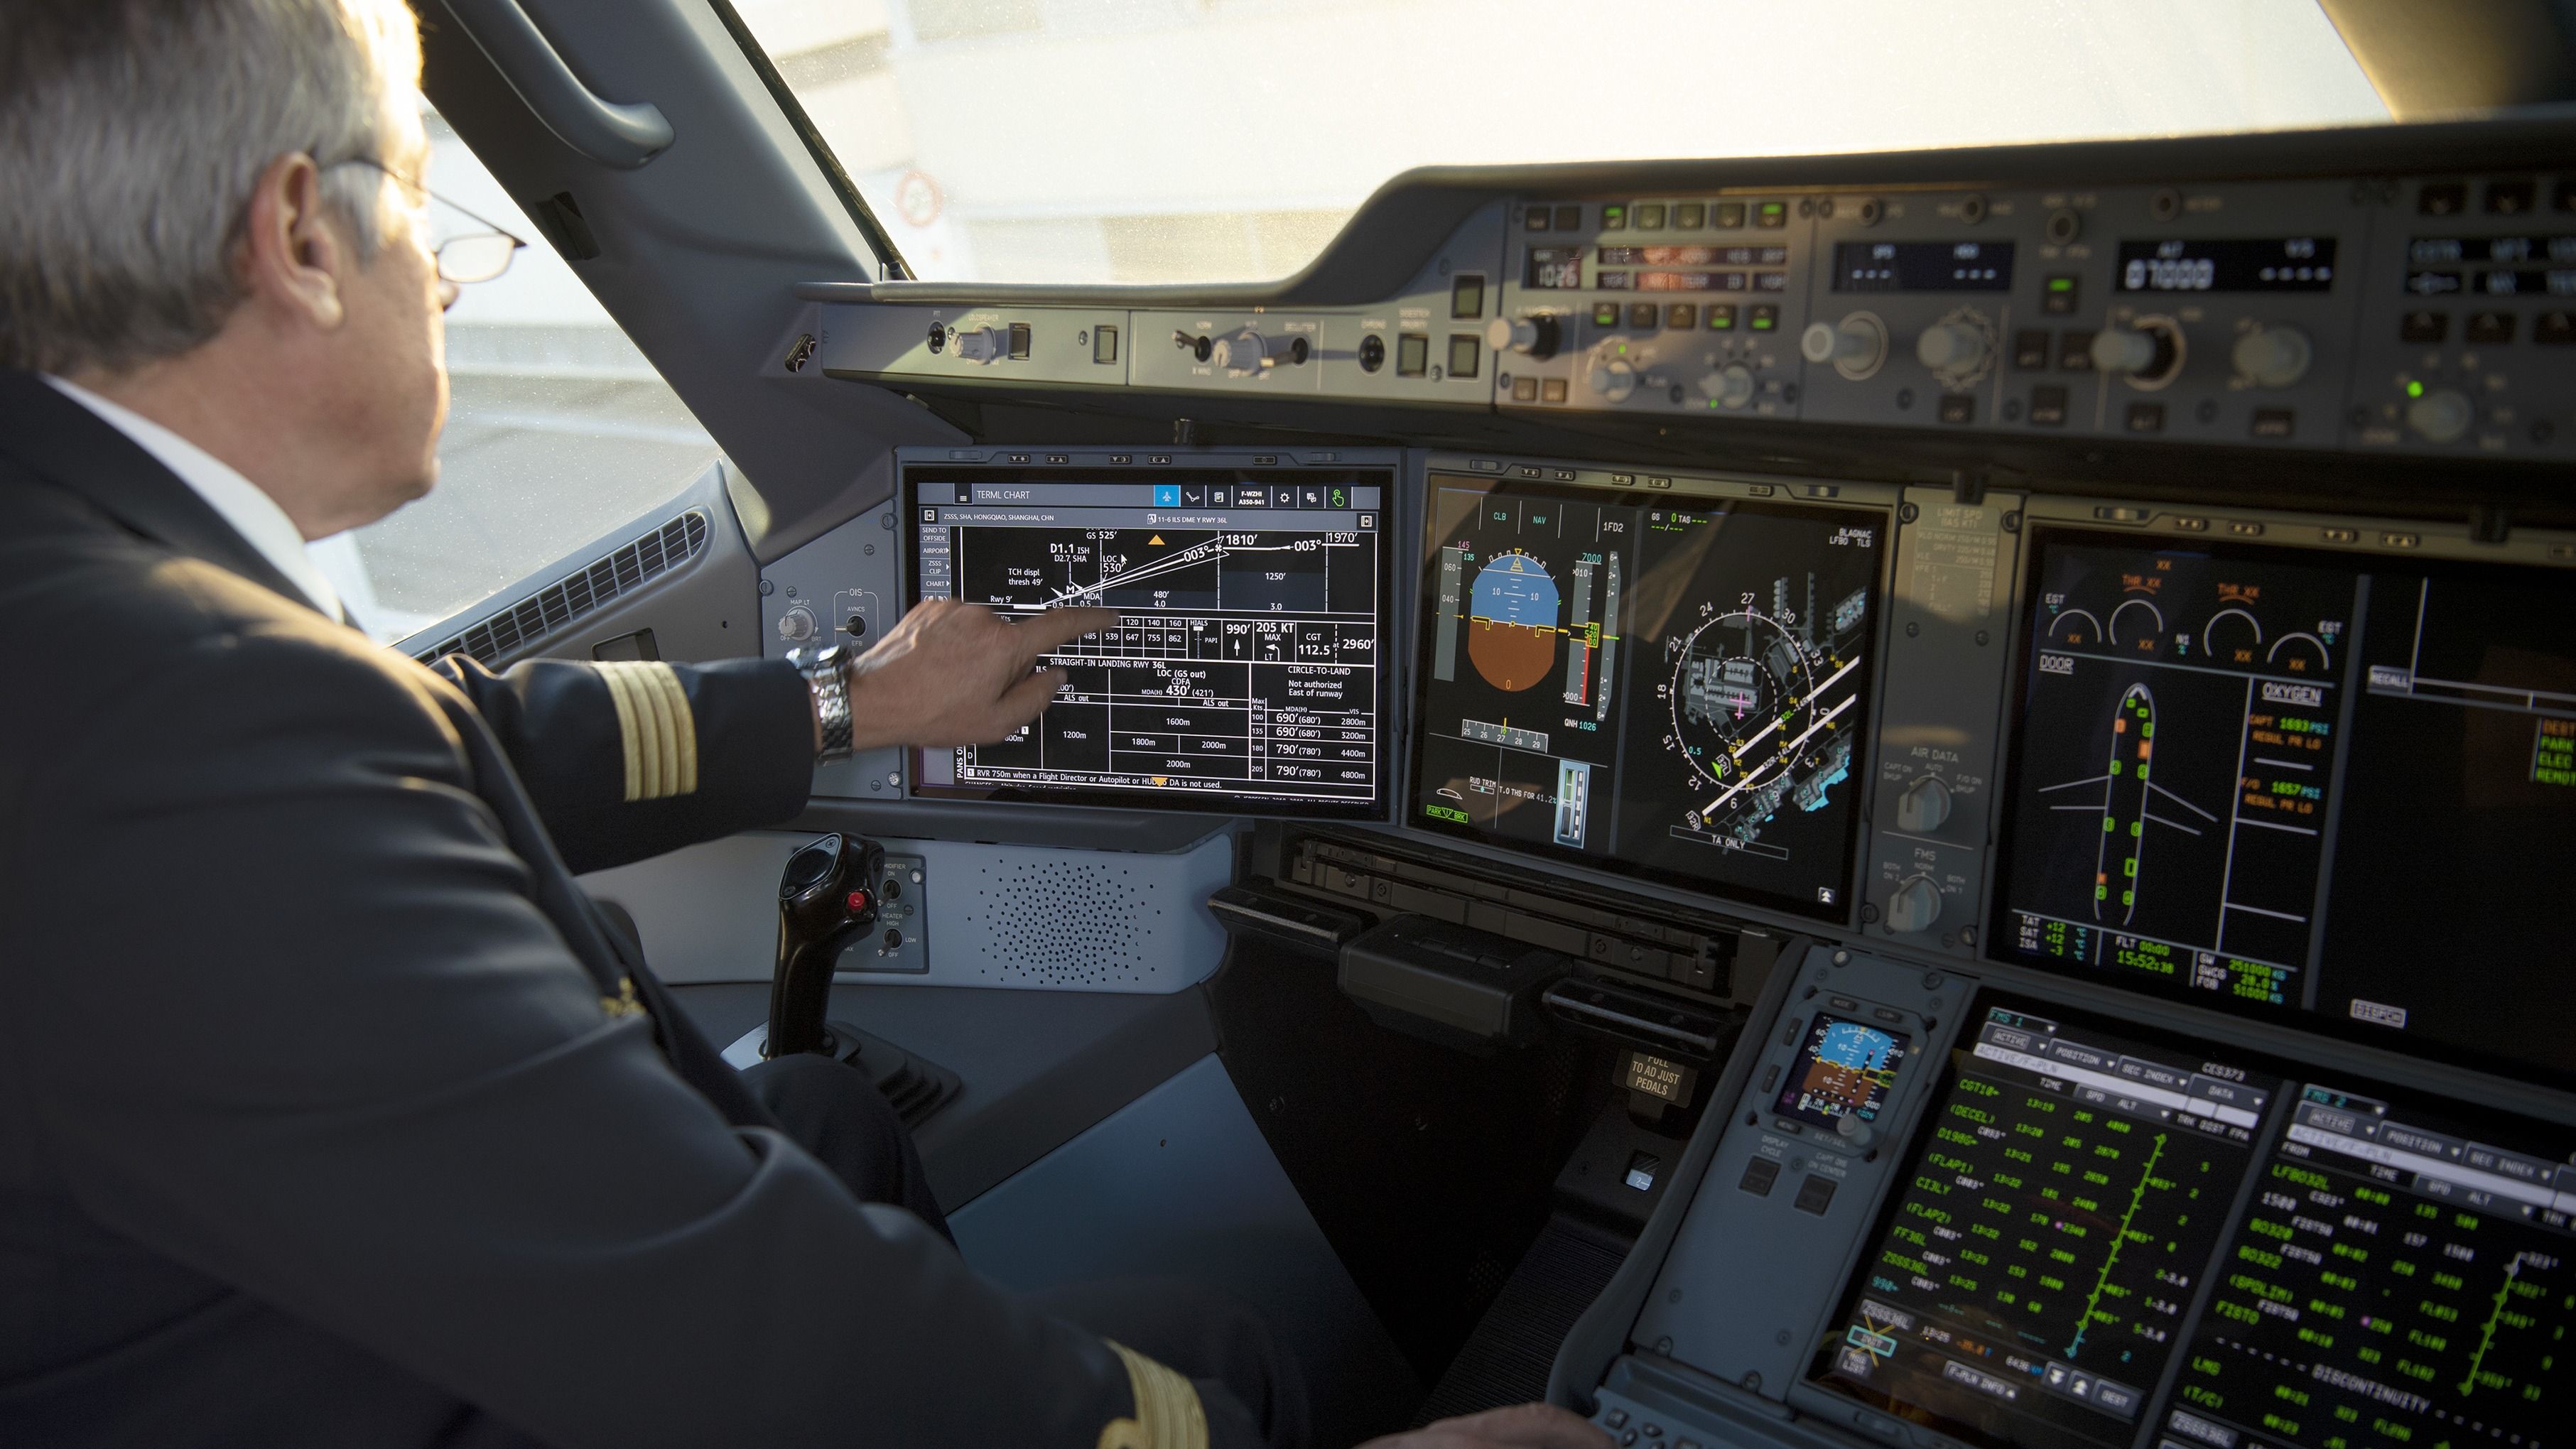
{"points": [[2061, 284], [2414, 389]]}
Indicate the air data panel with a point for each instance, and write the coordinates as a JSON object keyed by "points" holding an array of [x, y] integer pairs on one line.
{"points": [[1670, 688], [2032, 1279], [2285, 781], [1245, 672]]}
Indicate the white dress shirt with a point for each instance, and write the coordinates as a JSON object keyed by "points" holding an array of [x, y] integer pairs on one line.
{"points": [[253, 514]]}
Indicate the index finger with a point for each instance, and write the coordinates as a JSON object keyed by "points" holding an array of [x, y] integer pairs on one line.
{"points": [[1060, 626]]}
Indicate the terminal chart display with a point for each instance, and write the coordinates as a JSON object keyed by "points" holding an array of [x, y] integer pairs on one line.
{"points": [[2285, 781], [1245, 673], [2106, 1237], [1669, 688]]}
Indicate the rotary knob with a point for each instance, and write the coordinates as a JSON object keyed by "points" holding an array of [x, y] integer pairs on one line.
{"points": [[797, 625], [2148, 354], [1855, 348], [1853, 1131], [2441, 416], [1951, 347], [983, 344], [1731, 385], [1244, 351], [1923, 805], [2273, 356], [1613, 378], [1913, 906], [1532, 337]]}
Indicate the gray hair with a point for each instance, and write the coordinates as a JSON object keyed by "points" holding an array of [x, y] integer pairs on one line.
{"points": [[132, 134]]}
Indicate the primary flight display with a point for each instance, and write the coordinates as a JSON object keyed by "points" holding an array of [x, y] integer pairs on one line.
{"points": [[1672, 688]]}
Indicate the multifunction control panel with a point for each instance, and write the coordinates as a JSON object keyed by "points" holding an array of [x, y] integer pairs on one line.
{"points": [[2418, 314], [2334, 307]]}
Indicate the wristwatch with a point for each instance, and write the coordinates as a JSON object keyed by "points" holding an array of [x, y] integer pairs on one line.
{"points": [[827, 676]]}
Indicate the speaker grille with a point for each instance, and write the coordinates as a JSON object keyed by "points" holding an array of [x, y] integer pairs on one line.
{"points": [[1071, 922], [515, 629]]}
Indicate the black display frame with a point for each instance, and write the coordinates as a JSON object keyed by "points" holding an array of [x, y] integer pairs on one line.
{"points": [[2005, 848], [1392, 627], [1867, 705], [2284, 1081]]}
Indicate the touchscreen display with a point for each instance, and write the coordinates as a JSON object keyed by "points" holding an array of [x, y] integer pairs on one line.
{"points": [[2069, 1189], [2402, 1277], [2295, 782], [1245, 674], [1674, 689]]}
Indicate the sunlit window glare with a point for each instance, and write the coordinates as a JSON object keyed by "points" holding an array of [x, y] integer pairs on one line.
{"points": [[1206, 140]]}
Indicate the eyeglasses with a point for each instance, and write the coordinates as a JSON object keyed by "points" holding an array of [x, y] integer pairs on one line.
{"points": [[474, 257]]}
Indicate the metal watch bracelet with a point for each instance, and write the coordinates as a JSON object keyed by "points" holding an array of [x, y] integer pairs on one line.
{"points": [[827, 677]]}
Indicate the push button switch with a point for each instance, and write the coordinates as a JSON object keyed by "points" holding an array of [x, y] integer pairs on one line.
{"points": [[1759, 1175], [1815, 1195]]}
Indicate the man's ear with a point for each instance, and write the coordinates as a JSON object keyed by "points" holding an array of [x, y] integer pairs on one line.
{"points": [[296, 256]]}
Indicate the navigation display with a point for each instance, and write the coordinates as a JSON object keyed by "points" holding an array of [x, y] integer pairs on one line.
{"points": [[1668, 688], [2201, 728], [1245, 674], [2068, 1191], [2405, 1276]]}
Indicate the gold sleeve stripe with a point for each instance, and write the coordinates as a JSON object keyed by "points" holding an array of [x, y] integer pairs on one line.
{"points": [[626, 730], [684, 730], [1168, 1415], [656, 728]]}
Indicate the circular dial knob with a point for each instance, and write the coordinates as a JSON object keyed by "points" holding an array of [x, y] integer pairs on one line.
{"points": [[1242, 351], [1855, 348], [1534, 337], [1852, 1130], [983, 344], [1951, 347], [797, 625], [1731, 385], [1923, 805], [1613, 379], [2148, 354], [2273, 356], [2441, 416], [1913, 906]]}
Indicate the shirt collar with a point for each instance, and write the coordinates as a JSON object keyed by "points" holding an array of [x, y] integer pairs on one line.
{"points": [[251, 513]]}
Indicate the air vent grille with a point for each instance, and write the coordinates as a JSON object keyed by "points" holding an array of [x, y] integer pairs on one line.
{"points": [[557, 605]]}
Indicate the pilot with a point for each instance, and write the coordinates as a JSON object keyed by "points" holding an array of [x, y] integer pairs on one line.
{"points": [[331, 1110]]}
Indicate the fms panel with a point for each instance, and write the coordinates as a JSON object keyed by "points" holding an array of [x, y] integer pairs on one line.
{"points": [[2299, 781], [1669, 686], [1246, 672]]}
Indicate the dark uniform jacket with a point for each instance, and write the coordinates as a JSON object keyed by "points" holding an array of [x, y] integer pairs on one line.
{"points": [[328, 1113]]}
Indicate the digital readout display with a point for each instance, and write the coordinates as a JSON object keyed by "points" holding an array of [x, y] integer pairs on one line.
{"points": [[1554, 269], [1693, 281], [1845, 1070], [2290, 264], [1694, 256], [1876, 266]]}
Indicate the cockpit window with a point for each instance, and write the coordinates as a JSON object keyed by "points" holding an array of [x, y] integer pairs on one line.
{"points": [[558, 431], [1227, 140]]}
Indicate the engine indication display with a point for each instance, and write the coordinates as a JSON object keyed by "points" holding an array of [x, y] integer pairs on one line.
{"points": [[1244, 673], [1672, 691]]}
